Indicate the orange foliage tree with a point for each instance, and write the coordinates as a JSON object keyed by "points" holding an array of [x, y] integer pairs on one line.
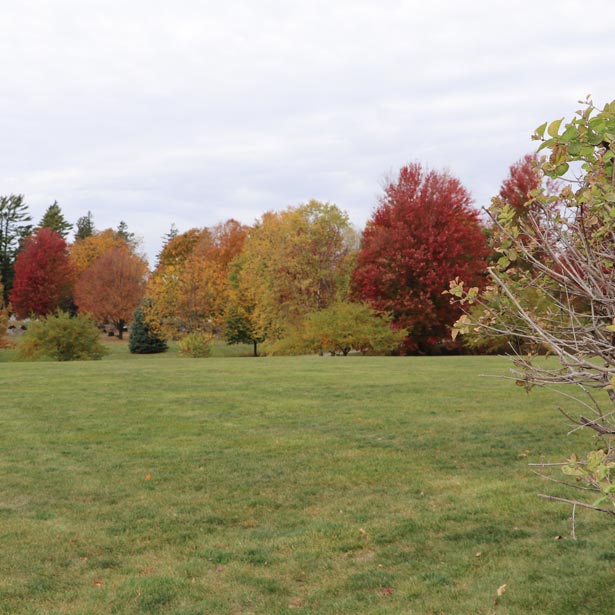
{"points": [[112, 287], [85, 251], [189, 291]]}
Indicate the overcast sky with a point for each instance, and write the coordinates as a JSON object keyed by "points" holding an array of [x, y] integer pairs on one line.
{"points": [[194, 111]]}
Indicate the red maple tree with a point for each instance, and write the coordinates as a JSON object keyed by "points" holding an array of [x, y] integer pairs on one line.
{"points": [[112, 287], [43, 275], [423, 234], [523, 177]]}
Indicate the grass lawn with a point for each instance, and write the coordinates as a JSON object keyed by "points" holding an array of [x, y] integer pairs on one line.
{"points": [[296, 485]]}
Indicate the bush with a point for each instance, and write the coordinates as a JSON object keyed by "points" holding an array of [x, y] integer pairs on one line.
{"points": [[142, 339], [62, 338], [341, 328], [195, 345]]}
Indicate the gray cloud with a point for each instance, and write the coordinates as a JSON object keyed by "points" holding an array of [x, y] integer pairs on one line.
{"points": [[199, 111]]}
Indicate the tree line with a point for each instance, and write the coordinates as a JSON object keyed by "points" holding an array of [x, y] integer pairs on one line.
{"points": [[299, 279]]}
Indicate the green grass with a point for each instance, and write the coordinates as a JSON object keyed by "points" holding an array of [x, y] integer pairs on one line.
{"points": [[286, 485]]}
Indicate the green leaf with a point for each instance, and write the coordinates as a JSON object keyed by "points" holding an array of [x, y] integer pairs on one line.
{"points": [[561, 169], [569, 134], [540, 131], [553, 129]]}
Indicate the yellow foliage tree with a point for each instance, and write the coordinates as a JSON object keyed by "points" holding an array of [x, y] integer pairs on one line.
{"points": [[295, 262]]}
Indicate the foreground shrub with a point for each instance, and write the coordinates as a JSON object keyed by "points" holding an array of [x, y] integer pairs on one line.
{"points": [[195, 345], [62, 338]]}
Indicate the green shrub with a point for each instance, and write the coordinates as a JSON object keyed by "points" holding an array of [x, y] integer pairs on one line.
{"points": [[195, 345], [62, 338], [339, 329]]}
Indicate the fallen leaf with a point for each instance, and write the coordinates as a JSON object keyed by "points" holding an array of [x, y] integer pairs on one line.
{"points": [[148, 477], [362, 532], [386, 591], [477, 554], [558, 537], [98, 583], [219, 568], [501, 590]]}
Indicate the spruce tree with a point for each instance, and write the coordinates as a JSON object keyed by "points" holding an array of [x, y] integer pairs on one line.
{"points": [[85, 227], [55, 220], [142, 339]]}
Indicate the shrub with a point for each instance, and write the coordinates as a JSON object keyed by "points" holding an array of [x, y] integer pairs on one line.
{"points": [[195, 345], [62, 338]]}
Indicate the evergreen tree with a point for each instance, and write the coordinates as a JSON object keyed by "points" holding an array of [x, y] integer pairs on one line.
{"points": [[14, 228], [55, 220], [142, 339], [85, 227], [122, 231]]}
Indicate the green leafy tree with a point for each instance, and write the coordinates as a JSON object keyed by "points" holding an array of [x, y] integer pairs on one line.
{"points": [[14, 228], [143, 340], [62, 338], [239, 327], [566, 247], [85, 227], [55, 220]]}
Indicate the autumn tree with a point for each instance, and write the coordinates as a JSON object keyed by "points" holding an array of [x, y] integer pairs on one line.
{"points": [[295, 262], [14, 228], [569, 240], [112, 287], [189, 290], [85, 251], [423, 233], [54, 219], [43, 275]]}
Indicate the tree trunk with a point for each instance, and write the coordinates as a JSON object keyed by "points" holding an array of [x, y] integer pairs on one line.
{"points": [[255, 353], [119, 325]]}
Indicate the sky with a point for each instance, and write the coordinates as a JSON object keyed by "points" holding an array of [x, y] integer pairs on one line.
{"points": [[193, 112]]}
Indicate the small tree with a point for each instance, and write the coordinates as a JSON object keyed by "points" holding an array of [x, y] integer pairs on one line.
{"points": [[62, 338], [142, 339], [568, 239]]}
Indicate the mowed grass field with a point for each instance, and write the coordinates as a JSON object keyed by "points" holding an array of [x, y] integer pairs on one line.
{"points": [[303, 485]]}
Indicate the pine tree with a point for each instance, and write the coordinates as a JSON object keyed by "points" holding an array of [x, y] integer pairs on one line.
{"points": [[55, 220], [14, 228], [142, 339]]}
